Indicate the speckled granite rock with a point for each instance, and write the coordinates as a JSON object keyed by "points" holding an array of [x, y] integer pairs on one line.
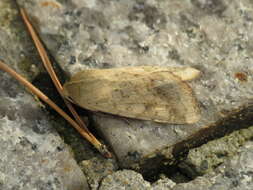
{"points": [[236, 173], [96, 169], [33, 156], [124, 180], [204, 159], [163, 184], [214, 36]]}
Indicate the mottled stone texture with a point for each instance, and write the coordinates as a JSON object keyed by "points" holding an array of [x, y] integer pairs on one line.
{"points": [[205, 159], [214, 36], [96, 169], [125, 179], [234, 173], [32, 154]]}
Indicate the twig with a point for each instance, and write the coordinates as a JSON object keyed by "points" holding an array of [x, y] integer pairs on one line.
{"points": [[79, 125], [100, 147], [48, 65], [46, 61]]}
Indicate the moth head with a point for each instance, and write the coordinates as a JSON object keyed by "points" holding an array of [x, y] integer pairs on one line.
{"points": [[187, 73]]}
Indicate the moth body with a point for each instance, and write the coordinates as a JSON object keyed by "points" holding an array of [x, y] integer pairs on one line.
{"points": [[150, 93]]}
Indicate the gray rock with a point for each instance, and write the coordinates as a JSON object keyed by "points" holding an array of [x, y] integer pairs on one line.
{"points": [[200, 183], [235, 173], [96, 169], [163, 184], [33, 156], [204, 159], [124, 180], [212, 36]]}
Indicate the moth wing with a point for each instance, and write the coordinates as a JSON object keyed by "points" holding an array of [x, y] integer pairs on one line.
{"points": [[184, 73], [160, 95]]}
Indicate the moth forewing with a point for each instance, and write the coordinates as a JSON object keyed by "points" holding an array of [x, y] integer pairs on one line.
{"points": [[149, 93]]}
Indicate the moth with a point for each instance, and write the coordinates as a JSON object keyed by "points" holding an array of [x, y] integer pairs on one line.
{"points": [[160, 94], [149, 93]]}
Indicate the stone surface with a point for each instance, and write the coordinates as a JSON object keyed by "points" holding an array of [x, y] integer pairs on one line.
{"points": [[96, 169], [124, 180], [234, 173], [214, 36], [204, 159], [33, 156], [163, 184]]}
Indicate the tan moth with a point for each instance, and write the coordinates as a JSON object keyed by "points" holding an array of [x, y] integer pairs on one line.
{"points": [[147, 92], [150, 93]]}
